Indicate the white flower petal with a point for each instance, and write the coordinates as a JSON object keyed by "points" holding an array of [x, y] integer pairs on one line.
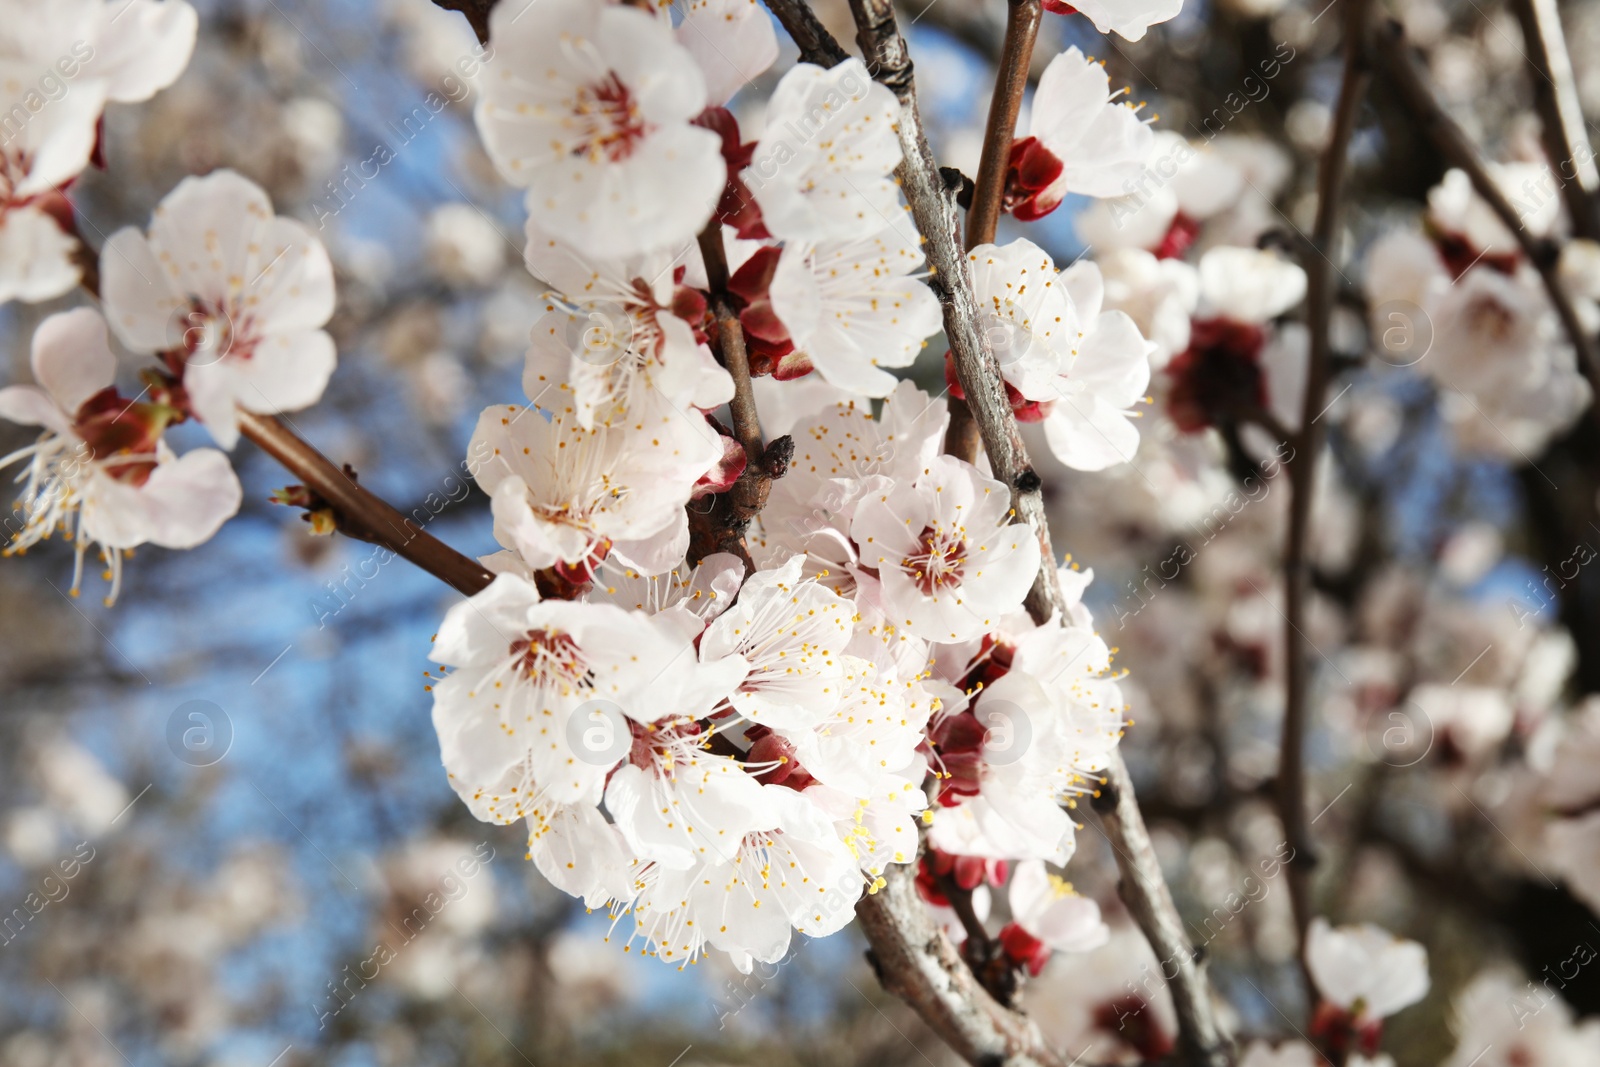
{"points": [[71, 358]]}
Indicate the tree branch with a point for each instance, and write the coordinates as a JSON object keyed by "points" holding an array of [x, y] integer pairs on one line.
{"points": [[817, 45], [719, 525], [1354, 82], [1011, 81], [916, 962], [1144, 890], [1555, 95], [1452, 143], [477, 12], [915, 966], [363, 514], [730, 344]]}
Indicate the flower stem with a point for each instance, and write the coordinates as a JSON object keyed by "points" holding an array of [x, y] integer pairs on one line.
{"points": [[1555, 96], [731, 349], [963, 437], [363, 514], [1357, 76], [1011, 81], [719, 524]]}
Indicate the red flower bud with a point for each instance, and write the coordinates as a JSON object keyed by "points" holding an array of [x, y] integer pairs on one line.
{"points": [[1218, 375], [1023, 949]]}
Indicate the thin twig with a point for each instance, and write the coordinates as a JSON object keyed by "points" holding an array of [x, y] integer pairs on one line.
{"points": [[1355, 80], [719, 524], [730, 344], [961, 903], [1144, 890], [985, 956], [1264, 418], [363, 514], [963, 437], [816, 44], [1011, 81], [1555, 95], [1453, 144]]}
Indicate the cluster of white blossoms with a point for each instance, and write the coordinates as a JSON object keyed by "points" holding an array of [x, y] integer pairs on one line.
{"points": [[1466, 308], [228, 298], [61, 63], [724, 748], [1066, 361], [726, 757], [1183, 245], [1182, 249], [720, 750], [1070, 359], [626, 152]]}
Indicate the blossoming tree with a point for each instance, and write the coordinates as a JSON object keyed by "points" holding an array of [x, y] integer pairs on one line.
{"points": [[777, 640]]}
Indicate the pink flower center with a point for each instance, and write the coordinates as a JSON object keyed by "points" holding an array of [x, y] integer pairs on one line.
{"points": [[550, 656], [122, 434], [213, 333], [1219, 376], [1492, 319], [613, 123], [938, 562], [658, 747]]}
